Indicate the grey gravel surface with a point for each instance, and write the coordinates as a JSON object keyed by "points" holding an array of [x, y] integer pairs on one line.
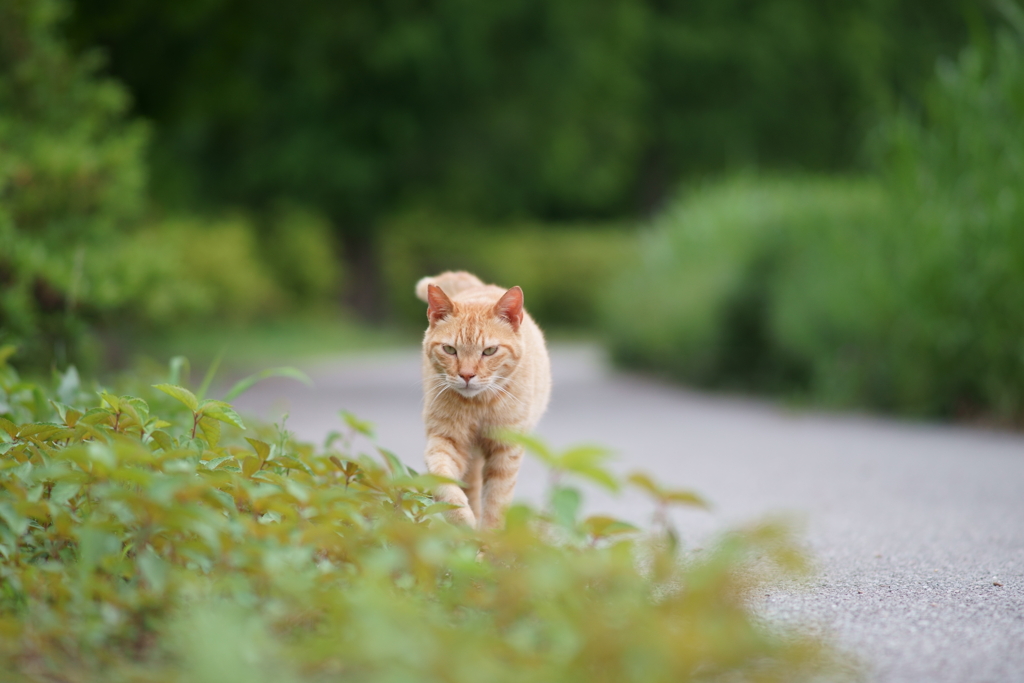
{"points": [[917, 529]]}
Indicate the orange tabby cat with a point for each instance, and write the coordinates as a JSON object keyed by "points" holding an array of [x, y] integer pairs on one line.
{"points": [[485, 367]]}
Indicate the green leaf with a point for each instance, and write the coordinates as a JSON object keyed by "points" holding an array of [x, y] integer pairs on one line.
{"points": [[17, 523], [565, 505], [687, 498], [113, 401], [530, 443], [643, 481], [600, 526], [212, 464], [64, 491], [519, 516], [435, 508], [6, 351], [247, 383], [39, 432], [664, 496], [9, 427], [180, 393], [95, 416], [251, 465], [140, 406], [163, 439], [262, 448], [219, 410], [210, 428], [426, 482], [586, 461], [355, 424], [394, 464], [599, 476], [154, 569], [62, 410]]}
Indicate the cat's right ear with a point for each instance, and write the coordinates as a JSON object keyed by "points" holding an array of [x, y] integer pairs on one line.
{"points": [[439, 305]]}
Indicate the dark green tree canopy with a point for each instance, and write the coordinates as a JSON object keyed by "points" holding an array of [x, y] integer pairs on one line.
{"points": [[552, 109], [493, 107]]}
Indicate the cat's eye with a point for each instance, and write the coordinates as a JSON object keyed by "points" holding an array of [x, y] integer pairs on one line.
{"points": [[490, 350], [450, 350]]}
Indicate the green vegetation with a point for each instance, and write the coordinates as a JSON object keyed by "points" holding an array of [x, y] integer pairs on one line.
{"points": [[71, 176], [563, 271], [902, 293], [144, 539], [702, 304], [79, 247], [254, 344], [524, 111]]}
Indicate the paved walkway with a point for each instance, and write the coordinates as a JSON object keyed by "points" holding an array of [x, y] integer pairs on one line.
{"points": [[918, 529]]}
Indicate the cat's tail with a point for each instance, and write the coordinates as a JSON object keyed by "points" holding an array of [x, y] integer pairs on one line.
{"points": [[450, 282]]}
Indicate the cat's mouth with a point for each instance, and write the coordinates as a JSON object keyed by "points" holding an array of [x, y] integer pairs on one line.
{"points": [[469, 391]]}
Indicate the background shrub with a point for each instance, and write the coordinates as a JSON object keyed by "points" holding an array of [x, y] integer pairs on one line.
{"points": [[549, 110], [562, 271], [299, 246], [702, 303], [187, 269], [902, 293], [924, 313]]}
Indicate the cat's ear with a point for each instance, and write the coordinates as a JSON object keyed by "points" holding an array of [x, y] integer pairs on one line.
{"points": [[440, 306], [510, 307]]}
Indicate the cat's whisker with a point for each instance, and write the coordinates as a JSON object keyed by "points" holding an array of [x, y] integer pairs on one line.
{"points": [[433, 398], [435, 382], [504, 393], [509, 382]]}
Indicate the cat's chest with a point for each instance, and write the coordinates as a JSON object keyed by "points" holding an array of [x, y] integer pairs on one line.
{"points": [[476, 420]]}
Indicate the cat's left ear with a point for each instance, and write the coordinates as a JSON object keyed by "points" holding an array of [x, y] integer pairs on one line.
{"points": [[439, 305], [510, 307]]}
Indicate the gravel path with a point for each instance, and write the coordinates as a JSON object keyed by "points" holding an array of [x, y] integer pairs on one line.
{"points": [[918, 529]]}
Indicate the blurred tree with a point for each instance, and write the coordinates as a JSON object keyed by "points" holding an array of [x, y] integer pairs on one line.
{"points": [[494, 109], [784, 83], [539, 108], [71, 173]]}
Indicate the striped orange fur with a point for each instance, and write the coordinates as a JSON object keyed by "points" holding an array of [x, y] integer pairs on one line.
{"points": [[485, 368]]}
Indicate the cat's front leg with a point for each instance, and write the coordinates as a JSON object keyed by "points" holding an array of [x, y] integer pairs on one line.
{"points": [[445, 459], [501, 467]]}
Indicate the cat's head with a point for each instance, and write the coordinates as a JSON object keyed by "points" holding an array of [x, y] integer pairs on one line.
{"points": [[473, 346]]}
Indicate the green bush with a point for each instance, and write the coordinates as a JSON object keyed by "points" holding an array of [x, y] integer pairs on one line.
{"points": [[144, 539], [921, 314], [185, 269], [71, 174], [903, 293], [702, 305], [952, 334], [299, 246], [562, 269], [77, 249]]}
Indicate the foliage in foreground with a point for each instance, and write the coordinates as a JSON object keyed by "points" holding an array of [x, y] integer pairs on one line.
{"points": [[902, 293], [146, 540]]}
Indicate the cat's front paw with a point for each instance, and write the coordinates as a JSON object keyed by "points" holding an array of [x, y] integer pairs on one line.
{"points": [[462, 516]]}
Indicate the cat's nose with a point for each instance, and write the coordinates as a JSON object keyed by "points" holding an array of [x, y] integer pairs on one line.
{"points": [[467, 376]]}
